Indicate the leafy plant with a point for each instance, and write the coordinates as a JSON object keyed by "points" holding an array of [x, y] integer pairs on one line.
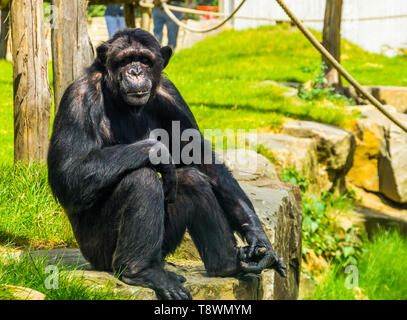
{"points": [[321, 232], [290, 174], [319, 91], [95, 10]]}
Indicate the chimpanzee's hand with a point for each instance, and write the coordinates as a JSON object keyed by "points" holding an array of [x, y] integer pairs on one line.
{"points": [[259, 255], [161, 158], [170, 186]]}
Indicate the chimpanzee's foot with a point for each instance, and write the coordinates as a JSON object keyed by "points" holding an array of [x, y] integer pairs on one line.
{"points": [[167, 285], [177, 277]]}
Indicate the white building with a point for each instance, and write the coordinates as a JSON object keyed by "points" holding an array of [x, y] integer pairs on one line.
{"points": [[372, 35]]}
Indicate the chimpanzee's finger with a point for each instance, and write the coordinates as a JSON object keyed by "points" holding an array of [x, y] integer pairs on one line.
{"points": [[261, 251], [250, 267], [242, 255], [252, 249], [280, 267]]}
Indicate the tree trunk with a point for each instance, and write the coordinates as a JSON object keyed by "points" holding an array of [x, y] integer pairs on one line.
{"points": [[32, 94], [5, 19], [332, 40], [72, 51], [129, 15]]}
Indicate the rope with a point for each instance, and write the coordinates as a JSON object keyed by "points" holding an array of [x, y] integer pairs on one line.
{"points": [[338, 67], [376, 103], [219, 14], [191, 29]]}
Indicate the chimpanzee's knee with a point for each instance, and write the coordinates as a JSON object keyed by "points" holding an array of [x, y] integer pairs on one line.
{"points": [[145, 180]]}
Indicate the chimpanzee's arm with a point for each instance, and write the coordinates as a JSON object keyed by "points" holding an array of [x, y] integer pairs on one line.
{"points": [[234, 202], [240, 212]]}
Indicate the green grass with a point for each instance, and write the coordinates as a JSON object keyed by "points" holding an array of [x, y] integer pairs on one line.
{"points": [[31, 273], [226, 79], [28, 213], [6, 112], [381, 268]]}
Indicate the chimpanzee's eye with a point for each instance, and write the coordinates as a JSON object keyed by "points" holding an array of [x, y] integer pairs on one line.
{"points": [[145, 60]]}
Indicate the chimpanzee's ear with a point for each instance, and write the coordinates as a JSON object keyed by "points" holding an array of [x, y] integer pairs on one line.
{"points": [[166, 53], [101, 52]]}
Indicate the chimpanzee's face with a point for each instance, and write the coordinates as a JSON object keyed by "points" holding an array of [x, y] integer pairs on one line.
{"points": [[134, 69], [134, 62]]}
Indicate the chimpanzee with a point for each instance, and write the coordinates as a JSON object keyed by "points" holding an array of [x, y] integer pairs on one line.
{"points": [[127, 211]]}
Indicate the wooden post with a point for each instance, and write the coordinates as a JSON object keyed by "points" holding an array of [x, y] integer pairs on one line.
{"points": [[72, 51], [129, 15], [332, 39], [5, 23], [146, 16], [32, 94]]}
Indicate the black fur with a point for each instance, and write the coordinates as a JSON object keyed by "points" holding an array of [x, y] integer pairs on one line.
{"points": [[124, 217]]}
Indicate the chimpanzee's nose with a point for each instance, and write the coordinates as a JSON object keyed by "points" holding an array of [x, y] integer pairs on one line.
{"points": [[135, 72]]}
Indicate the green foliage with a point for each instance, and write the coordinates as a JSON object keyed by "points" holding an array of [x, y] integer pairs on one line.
{"points": [[95, 11], [381, 271], [290, 174], [321, 232], [205, 2], [319, 91]]}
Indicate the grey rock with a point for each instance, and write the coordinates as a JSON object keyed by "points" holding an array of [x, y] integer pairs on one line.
{"points": [[22, 293], [392, 163], [381, 154], [247, 164], [335, 147], [300, 153], [279, 208]]}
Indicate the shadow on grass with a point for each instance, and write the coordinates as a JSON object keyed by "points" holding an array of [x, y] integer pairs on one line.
{"points": [[7, 238], [250, 108]]}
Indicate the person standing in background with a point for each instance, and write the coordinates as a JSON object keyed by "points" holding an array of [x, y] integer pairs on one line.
{"points": [[160, 19], [114, 16]]}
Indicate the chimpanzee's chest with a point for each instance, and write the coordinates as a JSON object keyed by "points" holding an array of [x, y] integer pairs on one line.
{"points": [[130, 128]]}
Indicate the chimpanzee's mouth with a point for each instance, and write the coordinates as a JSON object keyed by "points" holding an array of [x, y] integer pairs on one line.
{"points": [[138, 94]]}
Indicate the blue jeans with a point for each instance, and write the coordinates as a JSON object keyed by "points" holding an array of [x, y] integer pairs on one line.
{"points": [[160, 19], [115, 24]]}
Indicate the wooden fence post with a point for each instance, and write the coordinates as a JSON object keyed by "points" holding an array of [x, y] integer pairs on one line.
{"points": [[5, 23], [146, 16], [72, 50], [331, 40], [32, 94]]}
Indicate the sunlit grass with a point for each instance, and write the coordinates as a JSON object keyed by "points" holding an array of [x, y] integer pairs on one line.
{"points": [[381, 272], [29, 215], [32, 273]]}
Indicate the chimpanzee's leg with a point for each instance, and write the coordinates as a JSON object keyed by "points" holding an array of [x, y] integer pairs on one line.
{"points": [[136, 208], [197, 208]]}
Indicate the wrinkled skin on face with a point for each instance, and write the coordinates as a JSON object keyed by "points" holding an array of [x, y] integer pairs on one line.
{"points": [[132, 67]]}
